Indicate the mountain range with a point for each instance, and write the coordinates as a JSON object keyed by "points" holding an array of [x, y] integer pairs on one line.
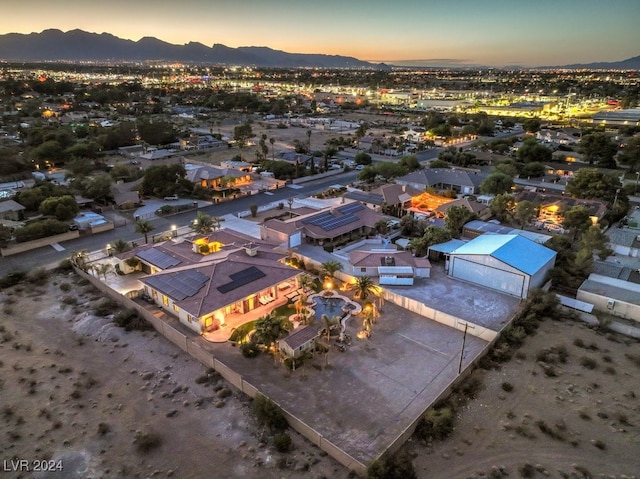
{"points": [[78, 45]]}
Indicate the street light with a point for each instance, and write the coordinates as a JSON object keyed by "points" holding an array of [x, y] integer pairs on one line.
{"points": [[109, 253], [174, 231]]}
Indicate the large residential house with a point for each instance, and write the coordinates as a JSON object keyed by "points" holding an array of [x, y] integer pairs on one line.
{"points": [[390, 199], [465, 182], [389, 265], [215, 178], [213, 280], [330, 225]]}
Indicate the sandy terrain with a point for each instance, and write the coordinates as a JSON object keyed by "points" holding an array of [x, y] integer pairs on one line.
{"points": [[64, 372]]}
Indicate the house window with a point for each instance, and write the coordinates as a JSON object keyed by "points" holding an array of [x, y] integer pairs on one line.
{"points": [[363, 270], [189, 318], [175, 308], [165, 300]]}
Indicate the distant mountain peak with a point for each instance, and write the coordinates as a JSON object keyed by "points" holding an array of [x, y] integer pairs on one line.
{"points": [[56, 45]]}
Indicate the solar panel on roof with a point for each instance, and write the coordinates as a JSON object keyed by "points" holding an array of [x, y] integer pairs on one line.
{"points": [[158, 258], [179, 285], [351, 208], [241, 278]]}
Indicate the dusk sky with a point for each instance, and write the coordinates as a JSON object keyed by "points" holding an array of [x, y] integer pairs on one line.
{"points": [[435, 32]]}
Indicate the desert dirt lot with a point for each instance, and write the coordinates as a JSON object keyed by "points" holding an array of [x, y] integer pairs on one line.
{"points": [[112, 404]]}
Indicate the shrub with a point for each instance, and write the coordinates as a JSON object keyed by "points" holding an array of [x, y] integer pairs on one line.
{"points": [[249, 350], [269, 413], [38, 276], [105, 307], [436, 423], [12, 278], [282, 442], [600, 445], [103, 428], [395, 467], [471, 386], [506, 386], [588, 362], [65, 287], [131, 321], [146, 441], [527, 470]]}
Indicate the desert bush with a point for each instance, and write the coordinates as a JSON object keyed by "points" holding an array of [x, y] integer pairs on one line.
{"points": [[610, 370], [269, 413], [69, 300], [64, 266], [507, 386], [527, 470], [38, 277], [584, 415], [549, 430], [436, 423], [515, 335], [12, 278], [471, 386], [282, 442], [130, 320], [146, 441], [599, 444], [293, 363], [634, 358], [553, 355], [105, 308], [587, 362], [65, 287], [398, 466], [103, 428]]}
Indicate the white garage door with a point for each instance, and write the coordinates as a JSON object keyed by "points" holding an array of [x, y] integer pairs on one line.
{"points": [[488, 277]]}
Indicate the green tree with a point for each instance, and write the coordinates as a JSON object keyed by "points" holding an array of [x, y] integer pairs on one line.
{"points": [[594, 240], [330, 268], [591, 183], [502, 207], [630, 154], [144, 227], [273, 151], [270, 328], [156, 132], [432, 235], [457, 217], [203, 223], [363, 159], [368, 174], [363, 286], [97, 187], [388, 169], [162, 180], [64, 208], [120, 246], [496, 183], [532, 151], [524, 212], [577, 220], [531, 125], [241, 135], [598, 149], [410, 163]]}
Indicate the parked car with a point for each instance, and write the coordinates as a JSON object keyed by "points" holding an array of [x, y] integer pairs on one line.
{"points": [[171, 198]]}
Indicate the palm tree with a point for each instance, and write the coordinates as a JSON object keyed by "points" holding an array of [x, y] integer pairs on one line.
{"points": [[300, 304], [270, 328], [309, 141], [273, 153], [120, 246], [203, 223], [144, 227], [102, 269], [363, 287], [306, 282], [329, 268]]}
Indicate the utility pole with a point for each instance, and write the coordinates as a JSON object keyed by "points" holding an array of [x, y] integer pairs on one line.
{"points": [[464, 340]]}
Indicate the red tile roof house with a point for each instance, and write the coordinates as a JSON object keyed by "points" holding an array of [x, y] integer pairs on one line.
{"points": [[237, 280]]}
